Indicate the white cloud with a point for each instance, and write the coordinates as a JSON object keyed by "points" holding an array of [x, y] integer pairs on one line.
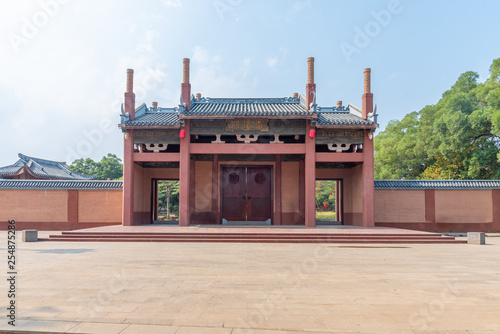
{"points": [[271, 61], [148, 42], [172, 3], [298, 7], [200, 55], [210, 77]]}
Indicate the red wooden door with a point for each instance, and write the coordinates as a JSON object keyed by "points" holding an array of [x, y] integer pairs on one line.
{"points": [[246, 193], [233, 183], [258, 193]]}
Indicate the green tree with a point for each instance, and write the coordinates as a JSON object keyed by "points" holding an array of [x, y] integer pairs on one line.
{"points": [[325, 193], [458, 138], [84, 166], [168, 197], [397, 156], [110, 167]]}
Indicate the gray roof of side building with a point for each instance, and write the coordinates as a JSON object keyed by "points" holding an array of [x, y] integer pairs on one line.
{"points": [[44, 169], [60, 185], [287, 107], [437, 184]]}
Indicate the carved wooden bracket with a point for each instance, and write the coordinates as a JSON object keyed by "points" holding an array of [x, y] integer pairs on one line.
{"points": [[156, 147], [339, 147], [276, 140], [247, 138], [217, 140]]}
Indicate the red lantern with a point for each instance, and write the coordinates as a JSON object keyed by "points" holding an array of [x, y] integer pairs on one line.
{"points": [[331, 194], [312, 133], [325, 205], [182, 134]]}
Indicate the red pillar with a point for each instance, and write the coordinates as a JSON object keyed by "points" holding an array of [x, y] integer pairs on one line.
{"points": [[430, 208], [277, 191], [337, 201], [310, 179], [367, 97], [72, 208], [215, 188], [186, 86], [311, 86], [184, 178], [495, 199], [368, 182], [128, 153], [128, 178]]}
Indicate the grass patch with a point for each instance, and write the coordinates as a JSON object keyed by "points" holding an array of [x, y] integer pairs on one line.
{"points": [[325, 215]]}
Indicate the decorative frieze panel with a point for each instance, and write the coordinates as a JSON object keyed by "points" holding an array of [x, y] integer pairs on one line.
{"points": [[247, 126], [334, 136], [168, 136], [250, 124]]}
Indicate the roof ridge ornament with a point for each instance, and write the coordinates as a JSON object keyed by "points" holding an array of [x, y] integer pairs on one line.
{"points": [[313, 104]]}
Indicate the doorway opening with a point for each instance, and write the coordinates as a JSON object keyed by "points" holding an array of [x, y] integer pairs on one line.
{"points": [[329, 201], [246, 194], [165, 201]]}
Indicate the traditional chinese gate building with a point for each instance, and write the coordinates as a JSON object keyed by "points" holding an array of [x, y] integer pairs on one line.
{"points": [[248, 159]]}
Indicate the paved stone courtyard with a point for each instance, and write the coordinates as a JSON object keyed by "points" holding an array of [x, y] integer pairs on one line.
{"points": [[255, 288]]}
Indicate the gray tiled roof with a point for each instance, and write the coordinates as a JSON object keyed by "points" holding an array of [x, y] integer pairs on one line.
{"points": [[340, 118], [43, 169], [266, 107], [248, 107], [60, 185], [156, 118], [437, 184]]}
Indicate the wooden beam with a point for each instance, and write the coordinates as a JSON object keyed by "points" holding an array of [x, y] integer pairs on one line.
{"points": [[339, 157], [156, 157], [247, 148]]}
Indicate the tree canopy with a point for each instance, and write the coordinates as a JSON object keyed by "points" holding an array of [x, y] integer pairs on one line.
{"points": [[110, 167], [457, 138]]}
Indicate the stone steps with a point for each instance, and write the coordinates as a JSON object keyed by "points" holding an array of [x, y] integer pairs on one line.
{"points": [[423, 238]]}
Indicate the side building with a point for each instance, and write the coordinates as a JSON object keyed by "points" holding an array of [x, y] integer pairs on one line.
{"points": [[29, 168]]}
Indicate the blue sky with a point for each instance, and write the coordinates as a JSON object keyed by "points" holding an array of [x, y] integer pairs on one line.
{"points": [[64, 62]]}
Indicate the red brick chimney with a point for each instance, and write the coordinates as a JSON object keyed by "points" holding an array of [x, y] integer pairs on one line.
{"points": [[154, 105], [367, 98], [311, 86], [295, 96], [198, 96], [186, 86], [339, 104], [129, 95]]}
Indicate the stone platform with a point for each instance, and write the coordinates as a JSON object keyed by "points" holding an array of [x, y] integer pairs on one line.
{"points": [[256, 288], [268, 234]]}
